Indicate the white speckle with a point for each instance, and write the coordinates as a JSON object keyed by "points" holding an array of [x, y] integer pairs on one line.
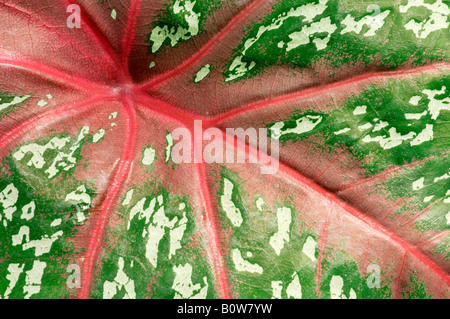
{"points": [[28, 211], [169, 140], [15, 270], [415, 100], [79, 195], [304, 36], [373, 22], [176, 235], [62, 161], [436, 21], [152, 65], [149, 156], [304, 124], [128, 197], [360, 110], [436, 106], [43, 245], [243, 265], [424, 136], [111, 288], [394, 139], [33, 279], [114, 14], [42, 103], [447, 217], [113, 115], [437, 179], [294, 289], [49, 96], [183, 285], [16, 100], [156, 232], [239, 68], [18, 239], [56, 222], [277, 287], [259, 204], [284, 219], [418, 184], [183, 10], [202, 73], [415, 116], [379, 126], [344, 130], [309, 248], [9, 196], [336, 285], [232, 212], [365, 126], [99, 135], [428, 198]]}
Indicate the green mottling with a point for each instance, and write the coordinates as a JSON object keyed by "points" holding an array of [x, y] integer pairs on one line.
{"points": [[130, 245], [391, 45], [442, 247], [9, 101], [235, 195], [297, 259], [59, 158], [341, 265], [430, 174], [369, 124], [416, 289], [47, 209], [182, 20]]}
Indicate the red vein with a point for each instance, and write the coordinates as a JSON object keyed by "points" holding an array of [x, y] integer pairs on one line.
{"points": [[367, 220], [204, 50], [211, 222], [398, 288], [107, 205], [129, 34], [323, 88], [212, 229], [49, 72], [386, 172], [47, 117], [32, 17], [97, 34], [435, 237], [166, 109], [326, 168]]}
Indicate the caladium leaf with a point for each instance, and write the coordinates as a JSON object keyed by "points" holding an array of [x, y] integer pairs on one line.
{"points": [[93, 203]]}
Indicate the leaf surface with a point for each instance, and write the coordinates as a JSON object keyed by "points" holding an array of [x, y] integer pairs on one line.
{"points": [[92, 204]]}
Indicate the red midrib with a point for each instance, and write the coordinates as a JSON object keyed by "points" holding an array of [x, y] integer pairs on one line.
{"points": [[214, 237], [123, 170]]}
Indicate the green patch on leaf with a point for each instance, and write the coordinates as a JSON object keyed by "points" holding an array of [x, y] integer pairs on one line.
{"points": [[154, 251], [381, 127], [305, 33]]}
